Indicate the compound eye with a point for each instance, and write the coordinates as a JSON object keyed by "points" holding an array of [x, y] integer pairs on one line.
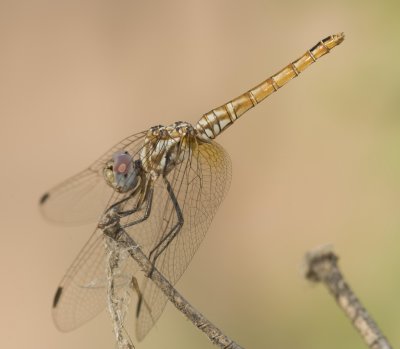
{"points": [[121, 168], [109, 175], [121, 163]]}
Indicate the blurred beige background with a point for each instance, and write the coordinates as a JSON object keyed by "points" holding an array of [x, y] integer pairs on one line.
{"points": [[317, 163]]}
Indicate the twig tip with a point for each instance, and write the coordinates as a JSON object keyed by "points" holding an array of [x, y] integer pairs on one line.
{"points": [[321, 257]]}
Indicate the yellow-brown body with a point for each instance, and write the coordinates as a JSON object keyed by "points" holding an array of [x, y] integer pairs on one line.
{"points": [[217, 120]]}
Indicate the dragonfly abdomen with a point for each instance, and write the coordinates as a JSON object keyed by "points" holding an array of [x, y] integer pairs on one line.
{"points": [[217, 120]]}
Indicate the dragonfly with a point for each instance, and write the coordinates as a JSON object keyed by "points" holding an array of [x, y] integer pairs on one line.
{"points": [[167, 183]]}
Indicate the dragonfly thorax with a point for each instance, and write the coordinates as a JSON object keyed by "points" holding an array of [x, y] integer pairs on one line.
{"points": [[122, 173], [167, 146]]}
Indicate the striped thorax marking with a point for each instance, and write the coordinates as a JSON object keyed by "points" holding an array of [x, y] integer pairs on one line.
{"points": [[166, 146]]}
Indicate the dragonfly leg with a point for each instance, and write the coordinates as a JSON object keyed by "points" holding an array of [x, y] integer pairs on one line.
{"points": [[122, 201], [156, 252], [167, 239], [146, 215], [132, 211], [129, 212]]}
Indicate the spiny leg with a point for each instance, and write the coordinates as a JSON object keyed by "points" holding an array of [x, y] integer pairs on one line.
{"points": [[166, 240], [115, 234], [130, 196], [149, 200]]}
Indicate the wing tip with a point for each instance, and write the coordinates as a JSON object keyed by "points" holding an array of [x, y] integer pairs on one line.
{"points": [[57, 297], [44, 198]]}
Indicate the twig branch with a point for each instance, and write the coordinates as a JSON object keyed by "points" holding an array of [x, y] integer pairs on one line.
{"points": [[111, 227], [322, 266], [117, 300]]}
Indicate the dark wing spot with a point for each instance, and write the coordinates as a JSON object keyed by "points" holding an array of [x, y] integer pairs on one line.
{"points": [[44, 198], [57, 296], [139, 305]]}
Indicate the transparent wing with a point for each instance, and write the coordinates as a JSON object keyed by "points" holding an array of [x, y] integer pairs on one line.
{"points": [[81, 294], [78, 299], [83, 197], [199, 184]]}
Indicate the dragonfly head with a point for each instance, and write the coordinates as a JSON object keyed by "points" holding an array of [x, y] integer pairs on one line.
{"points": [[122, 172]]}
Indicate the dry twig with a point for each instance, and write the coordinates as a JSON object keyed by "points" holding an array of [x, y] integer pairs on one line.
{"points": [[111, 227], [322, 266]]}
